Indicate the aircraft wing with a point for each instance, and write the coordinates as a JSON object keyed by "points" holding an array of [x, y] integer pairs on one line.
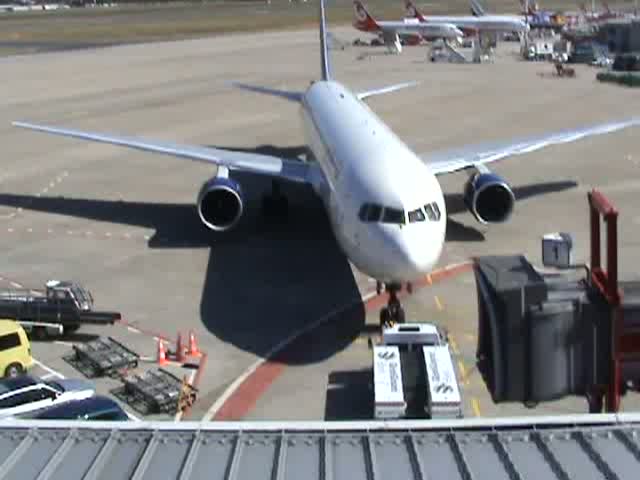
{"points": [[383, 90], [287, 169], [449, 161]]}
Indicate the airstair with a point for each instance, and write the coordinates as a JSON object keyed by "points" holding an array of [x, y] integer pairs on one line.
{"points": [[444, 51]]}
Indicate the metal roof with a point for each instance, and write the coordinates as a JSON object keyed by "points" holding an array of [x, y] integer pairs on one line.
{"points": [[581, 447]]}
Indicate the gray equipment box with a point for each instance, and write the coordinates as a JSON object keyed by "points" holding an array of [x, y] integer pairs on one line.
{"points": [[557, 250]]}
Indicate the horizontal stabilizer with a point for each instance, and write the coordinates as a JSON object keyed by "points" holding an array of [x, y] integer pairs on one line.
{"points": [[286, 94], [388, 89]]}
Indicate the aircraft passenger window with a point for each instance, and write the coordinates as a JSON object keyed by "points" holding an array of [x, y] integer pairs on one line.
{"points": [[431, 215], [416, 216], [436, 210], [393, 215]]}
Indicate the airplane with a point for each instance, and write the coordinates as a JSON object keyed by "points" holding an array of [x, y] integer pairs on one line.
{"points": [[541, 19], [392, 31], [473, 24], [384, 202]]}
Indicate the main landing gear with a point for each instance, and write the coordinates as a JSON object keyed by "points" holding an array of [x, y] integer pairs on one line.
{"points": [[275, 205], [393, 312]]}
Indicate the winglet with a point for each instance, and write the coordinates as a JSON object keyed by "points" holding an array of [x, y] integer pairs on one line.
{"points": [[324, 49]]}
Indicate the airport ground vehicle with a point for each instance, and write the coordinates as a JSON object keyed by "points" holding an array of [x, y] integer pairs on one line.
{"points": [[62, 308], [26, 393], [97, 407], [413, 374], [15, 349]]}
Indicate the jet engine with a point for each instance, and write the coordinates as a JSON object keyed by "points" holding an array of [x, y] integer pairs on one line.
{"points": [[220, 203], [489, 198]]}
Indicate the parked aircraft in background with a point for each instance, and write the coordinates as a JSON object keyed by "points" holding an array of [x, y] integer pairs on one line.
{"points": [[384, 202], [471, 24], [392, 31]]}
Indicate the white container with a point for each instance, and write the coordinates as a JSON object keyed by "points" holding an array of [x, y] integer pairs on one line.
{"points": [[557, 250]]}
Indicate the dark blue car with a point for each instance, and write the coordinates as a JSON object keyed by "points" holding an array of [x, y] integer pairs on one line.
{"points": [[93, 408]]}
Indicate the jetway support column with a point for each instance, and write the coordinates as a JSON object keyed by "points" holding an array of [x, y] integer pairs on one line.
{"points": [[607, 282]]}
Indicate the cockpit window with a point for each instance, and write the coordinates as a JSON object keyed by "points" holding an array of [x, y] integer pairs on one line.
{"points": [[393, 215], [370, 212], [436, 210], [433, 211], [416, 216]]}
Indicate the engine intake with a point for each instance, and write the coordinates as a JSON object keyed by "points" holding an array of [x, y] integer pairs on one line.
{"points": [[220, 204], [489, 198]]}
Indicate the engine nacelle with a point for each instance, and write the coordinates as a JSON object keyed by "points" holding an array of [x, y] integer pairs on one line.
{"points": [[220, 203], [489, 198]]}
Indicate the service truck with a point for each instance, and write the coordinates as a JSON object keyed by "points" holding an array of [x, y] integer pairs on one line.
{"points": [[63, 307], [414, 375]]}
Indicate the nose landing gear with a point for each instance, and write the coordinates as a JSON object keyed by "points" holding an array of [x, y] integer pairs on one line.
{"points": [[393, 312]]}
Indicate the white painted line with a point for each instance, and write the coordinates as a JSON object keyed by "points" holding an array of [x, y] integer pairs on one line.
{"points": [[60, 342], [47, 376], [132, 416], [15, 284], [132, 329], [280, 346], [34, 292], [49, 230], [10, 230], [69, 232], [30, 230], [50, 370]]}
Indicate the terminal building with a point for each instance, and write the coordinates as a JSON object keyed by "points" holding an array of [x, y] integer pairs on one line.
{"points": [[621, 36]]}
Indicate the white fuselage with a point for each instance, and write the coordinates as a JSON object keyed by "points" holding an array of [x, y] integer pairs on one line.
{"points": [[364, 162], [487, 23]]}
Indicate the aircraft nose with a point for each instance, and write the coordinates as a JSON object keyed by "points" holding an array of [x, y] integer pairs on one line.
{"points": [[410, 259]]}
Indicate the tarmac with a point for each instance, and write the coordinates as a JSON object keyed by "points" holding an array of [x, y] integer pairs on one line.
{"points": [[123, 223]]}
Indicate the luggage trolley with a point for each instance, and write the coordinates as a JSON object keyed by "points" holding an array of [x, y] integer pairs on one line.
{"points": [[102, 357], [156, 391]]}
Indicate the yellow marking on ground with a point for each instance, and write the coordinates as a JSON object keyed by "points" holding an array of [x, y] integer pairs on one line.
{"points": [[454, 346], [438, 302], [463, 372], [475, 406]]}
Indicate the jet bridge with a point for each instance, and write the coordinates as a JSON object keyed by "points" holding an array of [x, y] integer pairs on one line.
{"points": [[545, 336]]}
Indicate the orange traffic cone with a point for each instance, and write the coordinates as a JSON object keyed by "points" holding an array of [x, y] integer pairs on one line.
{"points": [[193, 347], [179, 349], [162, 353]]}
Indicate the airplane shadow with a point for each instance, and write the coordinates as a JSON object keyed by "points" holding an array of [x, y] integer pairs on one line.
{"points": [[263, 281]]}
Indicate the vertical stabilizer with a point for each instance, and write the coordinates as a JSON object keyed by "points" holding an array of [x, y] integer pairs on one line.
{"points": [[324, 47]]}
